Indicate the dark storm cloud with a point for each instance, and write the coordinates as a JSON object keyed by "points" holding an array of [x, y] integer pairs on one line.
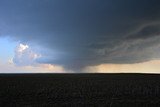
{"points": [[85, 32], [146, 32]]}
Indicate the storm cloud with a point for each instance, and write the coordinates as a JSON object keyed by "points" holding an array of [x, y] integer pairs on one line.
{"points": [[80, 33]]}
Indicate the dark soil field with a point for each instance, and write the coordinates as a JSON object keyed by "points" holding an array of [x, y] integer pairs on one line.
{"points": [[80, 90]]}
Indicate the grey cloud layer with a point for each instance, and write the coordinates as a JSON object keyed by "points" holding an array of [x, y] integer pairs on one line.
{"points": [[85, 32]]}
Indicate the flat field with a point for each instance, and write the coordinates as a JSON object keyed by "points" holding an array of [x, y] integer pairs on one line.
{"points": [[80, 90]]}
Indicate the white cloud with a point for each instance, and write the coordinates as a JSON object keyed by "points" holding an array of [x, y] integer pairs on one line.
{"points": [[24, 61], [22, 47], [25, 56]]}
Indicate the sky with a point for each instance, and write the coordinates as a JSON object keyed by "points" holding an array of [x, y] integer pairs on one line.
{"points": [[79, 36]]}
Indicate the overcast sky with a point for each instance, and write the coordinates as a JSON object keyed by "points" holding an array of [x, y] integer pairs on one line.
{"points": [[79, 35]]}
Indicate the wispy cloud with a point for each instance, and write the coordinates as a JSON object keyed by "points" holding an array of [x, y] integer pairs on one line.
{"points": [[38, 68]]}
